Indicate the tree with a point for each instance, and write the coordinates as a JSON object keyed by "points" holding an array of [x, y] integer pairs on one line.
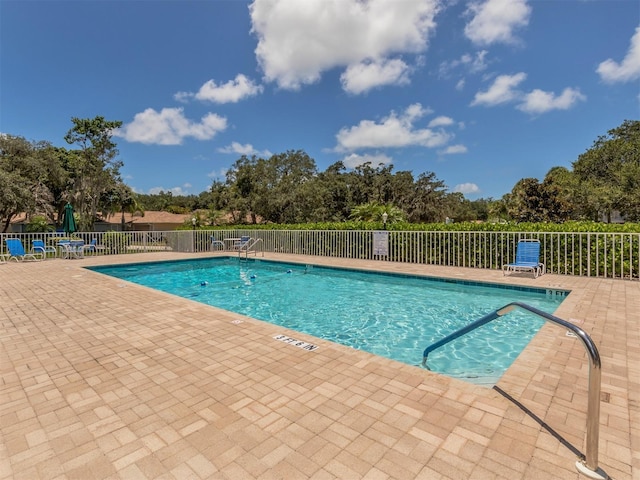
{"points": [[608, 173], [531, 201], [23, 178], [426, 204], [331, 196], [373, 212], [560, 186], [95, 169], [246, 187], [286, 177], [121, 199]]}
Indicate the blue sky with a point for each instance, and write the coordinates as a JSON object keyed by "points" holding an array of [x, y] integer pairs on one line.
{"points": [[480, 92]]}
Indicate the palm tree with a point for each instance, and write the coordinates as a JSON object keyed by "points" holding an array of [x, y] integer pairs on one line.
{"points": [[373, 211], [122, 199]]}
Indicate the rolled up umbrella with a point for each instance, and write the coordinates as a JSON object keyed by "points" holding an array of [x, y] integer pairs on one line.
{"points": [[68, 222]]}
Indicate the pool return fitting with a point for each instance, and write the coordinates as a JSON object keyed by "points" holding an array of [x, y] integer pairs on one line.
{"points": [[589, 464]]}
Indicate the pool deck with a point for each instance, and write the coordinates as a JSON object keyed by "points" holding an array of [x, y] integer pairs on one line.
{"points": [[103, 379]]}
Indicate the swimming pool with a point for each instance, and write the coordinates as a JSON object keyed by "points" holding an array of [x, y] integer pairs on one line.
{"points": [[391, 315]]}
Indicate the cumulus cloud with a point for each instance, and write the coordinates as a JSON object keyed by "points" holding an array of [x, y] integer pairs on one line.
{"points": [[353, 160], [231, 92], [246, 149], [364, 76], [393, 131], [298, 41], [169, 127], [501, 91], [454, 149], [538, 101], [466, 188], [494, 21], [441, 121], [611, 72]]}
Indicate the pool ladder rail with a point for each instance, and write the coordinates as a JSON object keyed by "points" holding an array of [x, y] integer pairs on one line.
{"points": [[250, 247], [588, 465]]}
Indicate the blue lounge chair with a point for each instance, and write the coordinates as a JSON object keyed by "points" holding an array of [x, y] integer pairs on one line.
{"points": [[39, 248], [527, 259], [16, 250]]}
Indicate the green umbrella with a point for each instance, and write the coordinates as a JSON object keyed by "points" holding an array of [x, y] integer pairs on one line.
{"points": [[68, 222]]}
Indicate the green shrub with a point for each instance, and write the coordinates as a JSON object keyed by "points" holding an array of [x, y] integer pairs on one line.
{"points": [[38, 223], [115, 242]]}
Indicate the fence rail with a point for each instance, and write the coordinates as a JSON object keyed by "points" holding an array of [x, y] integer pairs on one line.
{"points": [[609, 255]]}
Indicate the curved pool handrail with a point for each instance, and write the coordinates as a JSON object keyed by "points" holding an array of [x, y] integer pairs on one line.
{"points": [[588, 465]]}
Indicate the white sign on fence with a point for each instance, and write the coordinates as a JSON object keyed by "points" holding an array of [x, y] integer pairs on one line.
{"points": [[381, 243]]}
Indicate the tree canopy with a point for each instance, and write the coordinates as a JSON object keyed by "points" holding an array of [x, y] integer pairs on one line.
{"points": [[605, 179], [287, 188], [38, 178]]}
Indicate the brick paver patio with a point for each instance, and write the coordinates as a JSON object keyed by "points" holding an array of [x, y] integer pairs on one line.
{"points": [[104, 379]]}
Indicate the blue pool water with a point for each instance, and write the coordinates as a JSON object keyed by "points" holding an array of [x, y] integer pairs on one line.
{"points": [[394, 316]]}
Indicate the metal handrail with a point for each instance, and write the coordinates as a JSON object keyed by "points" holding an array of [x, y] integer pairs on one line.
{"points": [[588, 465], [247, 247]]}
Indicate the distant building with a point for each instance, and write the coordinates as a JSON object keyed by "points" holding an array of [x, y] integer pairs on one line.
{"points": [[152, 221]]}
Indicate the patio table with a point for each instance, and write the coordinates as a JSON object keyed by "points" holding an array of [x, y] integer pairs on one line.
{"points": [[230, 242], [71, 249]]}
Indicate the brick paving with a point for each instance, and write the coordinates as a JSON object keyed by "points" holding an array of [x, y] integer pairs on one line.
{"points": [[103, 379]]}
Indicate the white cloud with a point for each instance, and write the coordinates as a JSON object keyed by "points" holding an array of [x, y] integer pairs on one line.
{"points": [[364, 76], [538, 101], [494, 21], [182, 97], [611, 72], [298, 41], [441, 121], [454, 149], [184, 190], [169, 127], [473, 63], [501, 91], [466, 188], [231, 92], [246, 149], [393, 131], [353, 160]]}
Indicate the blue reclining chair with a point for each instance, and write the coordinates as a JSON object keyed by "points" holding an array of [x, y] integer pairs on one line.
{"points": [[16, 250], [39, 248], [527, 259]]}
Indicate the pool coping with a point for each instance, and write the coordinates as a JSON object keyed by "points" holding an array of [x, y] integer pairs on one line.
{"points": [[343, 414]]}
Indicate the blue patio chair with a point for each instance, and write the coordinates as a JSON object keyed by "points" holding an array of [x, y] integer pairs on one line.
{"points": [[242, 243], [527, 259], [16, 250], [39, 248], [215, 243], [91, 247]]}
